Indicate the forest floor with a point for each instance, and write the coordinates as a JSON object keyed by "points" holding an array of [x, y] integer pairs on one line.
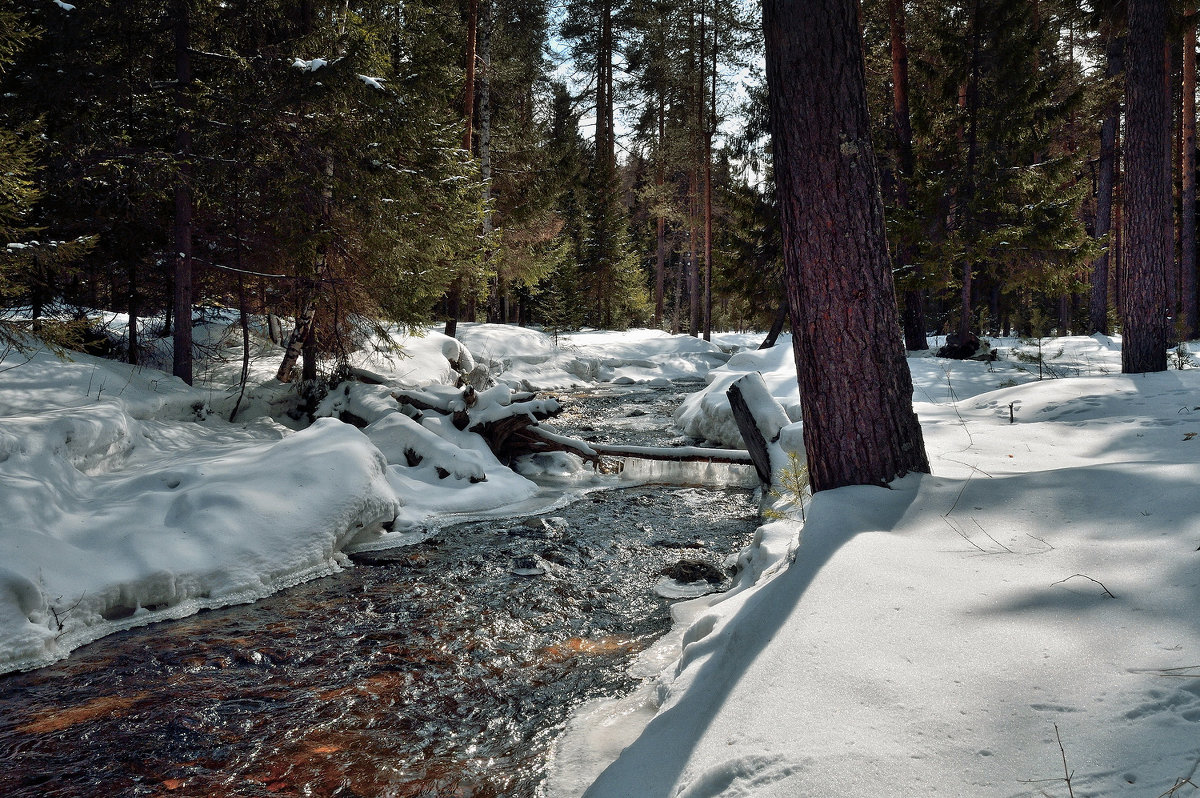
{"points": [[1021, 622]]}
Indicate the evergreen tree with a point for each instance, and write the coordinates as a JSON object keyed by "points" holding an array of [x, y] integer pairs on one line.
{"points": [[986, 198], [844, 318], [1144, 311]]}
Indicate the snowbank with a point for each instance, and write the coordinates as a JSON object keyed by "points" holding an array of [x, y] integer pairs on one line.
{"points": [[126, 498], [91, 545], [941, 637], [531, 360]]}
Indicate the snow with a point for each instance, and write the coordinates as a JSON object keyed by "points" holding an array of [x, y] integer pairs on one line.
{"points": [[529, 360], [311, 65], [64, 6], [374, 83], [128, 498], [940, 637]]}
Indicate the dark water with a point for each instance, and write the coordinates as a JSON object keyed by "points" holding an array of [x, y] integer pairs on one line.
{"points": [[433, 670]]}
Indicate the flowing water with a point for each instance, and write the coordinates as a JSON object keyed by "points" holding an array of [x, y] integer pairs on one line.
{"points": [[445, 668]]}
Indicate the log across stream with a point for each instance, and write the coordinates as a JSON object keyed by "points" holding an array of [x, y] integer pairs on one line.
{"points": [[444, 668]]}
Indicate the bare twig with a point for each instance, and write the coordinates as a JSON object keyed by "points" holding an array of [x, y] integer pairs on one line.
{"points": [[965, 536], [956, 498], [1040, 540], [1107, 592], [989, 535], [1179, 784], [1067, 774]]}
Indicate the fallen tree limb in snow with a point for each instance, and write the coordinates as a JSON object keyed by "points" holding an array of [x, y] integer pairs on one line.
{"points": [[511, 429]]}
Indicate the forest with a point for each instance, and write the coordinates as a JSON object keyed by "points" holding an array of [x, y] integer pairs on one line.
{"points": [[600, 163]]}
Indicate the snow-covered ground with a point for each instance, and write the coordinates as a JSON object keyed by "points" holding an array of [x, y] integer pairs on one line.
{"points": [[945, 636], [127, 498], [958, 634]]}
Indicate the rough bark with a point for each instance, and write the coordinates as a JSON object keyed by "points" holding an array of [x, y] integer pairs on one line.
{"points": [[1144, 312], [495, 310], [454, 293], [709, 130], [1187, 220], [1105, 184], [182, 354], [970, 102], [855, 387]]}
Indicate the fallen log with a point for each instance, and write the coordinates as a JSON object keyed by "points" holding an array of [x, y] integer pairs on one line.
{"points": [[593, 451], [512, 430]]}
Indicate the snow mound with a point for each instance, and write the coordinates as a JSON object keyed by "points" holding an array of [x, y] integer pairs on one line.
{"points": [[941, 637], [705, 415], [90, 547], [531, 360]]}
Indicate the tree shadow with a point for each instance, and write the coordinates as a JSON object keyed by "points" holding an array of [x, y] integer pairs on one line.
{"points": [[654, 762]]}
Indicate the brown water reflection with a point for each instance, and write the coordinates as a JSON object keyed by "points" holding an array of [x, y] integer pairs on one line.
{"points": [[438, 673]]}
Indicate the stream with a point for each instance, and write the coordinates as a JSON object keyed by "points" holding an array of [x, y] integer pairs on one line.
{"points": [[444, 668]]}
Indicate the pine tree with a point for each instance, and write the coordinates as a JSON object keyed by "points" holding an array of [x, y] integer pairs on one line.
{"points": [[844, 318], [1144, 310]]}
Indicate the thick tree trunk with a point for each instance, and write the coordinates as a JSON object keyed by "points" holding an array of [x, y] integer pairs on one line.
{"points": [[131, 335], [1169, 228], [677, 314], [605, 139], [182, 360], [1106, 182], [855, 387], [495, 311], [1144, 309], [1187, 219]]}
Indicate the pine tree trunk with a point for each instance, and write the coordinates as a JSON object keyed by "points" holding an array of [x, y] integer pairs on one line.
{"points": [[660, 248], [485, 141], [781, 317], [182, 354], [693, 276], [971, 98], [131, 336], [1172, 277], [1187, 222], [454, 294], [914, 305], [1106, 183], [709, 129], [605, 144], [1147, 183], [469, 88], [855, 387]]}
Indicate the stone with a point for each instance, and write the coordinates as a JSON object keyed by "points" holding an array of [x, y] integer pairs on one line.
{"points": [[694, 571]]}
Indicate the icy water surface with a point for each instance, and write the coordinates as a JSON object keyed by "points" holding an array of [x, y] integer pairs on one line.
{"points": [[441, 669]]}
